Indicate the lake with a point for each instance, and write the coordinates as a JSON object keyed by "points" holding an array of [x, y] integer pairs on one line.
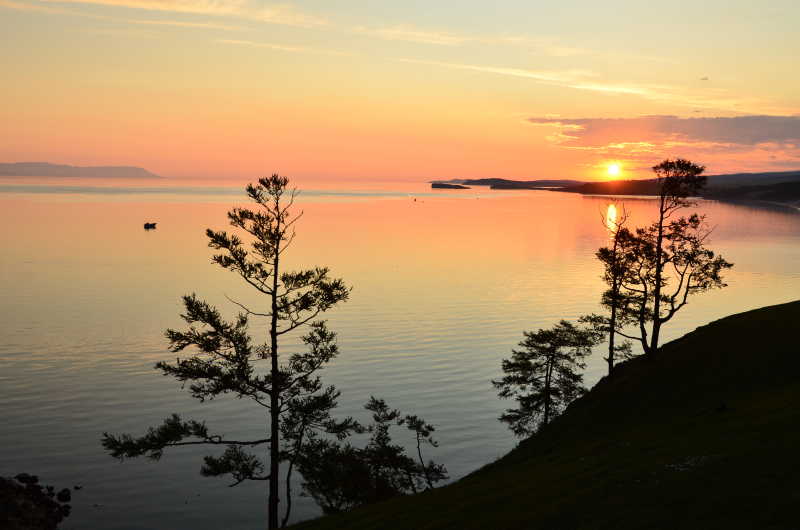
{"points": [[444, 283]]}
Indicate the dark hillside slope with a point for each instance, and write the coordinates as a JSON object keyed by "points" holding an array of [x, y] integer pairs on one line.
{"points": [[784, 192], [704, 435]]}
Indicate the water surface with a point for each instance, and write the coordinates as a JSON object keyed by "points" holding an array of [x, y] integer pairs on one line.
{"points": [[444, 284]]}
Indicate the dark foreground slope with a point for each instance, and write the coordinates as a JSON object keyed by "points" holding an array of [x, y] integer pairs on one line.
{"points": [[704, 435]]}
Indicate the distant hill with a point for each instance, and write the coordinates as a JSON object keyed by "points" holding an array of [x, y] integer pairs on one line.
{"points": [[781, 192], [617, 187], [498, 183], [752, 179], [702, 435], [783, 187], [448, 186], [745, 186], [44, 169]]}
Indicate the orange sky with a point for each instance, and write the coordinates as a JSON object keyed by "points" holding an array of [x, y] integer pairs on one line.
{"points": [[237, 88]]}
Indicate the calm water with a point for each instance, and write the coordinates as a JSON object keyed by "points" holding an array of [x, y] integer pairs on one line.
{"points": [[443, 288]]}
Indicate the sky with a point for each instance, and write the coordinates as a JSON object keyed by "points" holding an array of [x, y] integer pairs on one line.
{"points": [[380, 90]]}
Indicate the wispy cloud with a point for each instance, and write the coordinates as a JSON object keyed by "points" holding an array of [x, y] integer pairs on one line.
{"points": [[24, 6], [11, 4], [125, 32], [687, 97], [727, 143], [207, 7], [280, 47], [558, 77], [282, 14], [575, 78], [183, 24], [542, 45], [286, 15], [745, 130], [412, 34], [440, 37]]}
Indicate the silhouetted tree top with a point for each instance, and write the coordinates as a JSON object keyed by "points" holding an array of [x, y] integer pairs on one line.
{"points": [[225, 359], [339, 476], [678, 180], [544, 374], [652, 271]]}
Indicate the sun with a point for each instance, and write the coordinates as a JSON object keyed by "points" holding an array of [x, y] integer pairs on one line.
{"points": [[613, 170]]}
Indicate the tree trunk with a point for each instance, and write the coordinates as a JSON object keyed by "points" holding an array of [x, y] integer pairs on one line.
{"points": [[274, 412], [657, 280], [547, 378], [615, 287], [612, 332], [422, 463], [288, 495]]}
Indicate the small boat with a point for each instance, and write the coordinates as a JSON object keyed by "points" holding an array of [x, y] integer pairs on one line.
{"points": [[150, 226]]}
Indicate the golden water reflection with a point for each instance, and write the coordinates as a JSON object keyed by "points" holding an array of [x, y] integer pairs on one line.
{"points": [[443, 288], [611, 218]]}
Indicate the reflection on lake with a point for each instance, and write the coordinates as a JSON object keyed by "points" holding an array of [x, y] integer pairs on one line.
{"points": [[444, 285]]}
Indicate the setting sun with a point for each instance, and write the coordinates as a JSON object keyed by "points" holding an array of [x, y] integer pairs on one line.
{"points": [[613, 170]]}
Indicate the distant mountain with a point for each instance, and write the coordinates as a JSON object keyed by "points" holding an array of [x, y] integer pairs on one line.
{"points": [[752, 179], [617, 187], [778, 186], [780, 192], [44, 169], [497, 183]]}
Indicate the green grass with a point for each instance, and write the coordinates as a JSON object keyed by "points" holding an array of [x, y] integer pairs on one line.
{"points": [[705, 434]]}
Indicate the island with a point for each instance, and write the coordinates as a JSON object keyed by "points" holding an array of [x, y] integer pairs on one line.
{"points": [[46, 169], [448, 186]]}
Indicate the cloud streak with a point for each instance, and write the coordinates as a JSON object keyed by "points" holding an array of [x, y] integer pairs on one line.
{"points": [[724, 143], [713, 100], [183, 24], [412, 34], [20, 6], [555, 77], [246, 9], [280, 47], [743, 130]]}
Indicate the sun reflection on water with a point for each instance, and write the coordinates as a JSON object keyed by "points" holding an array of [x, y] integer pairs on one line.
{"points": [[611, 218]]}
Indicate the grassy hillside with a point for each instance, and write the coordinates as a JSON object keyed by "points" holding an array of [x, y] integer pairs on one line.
{"points": [[706, 434]]}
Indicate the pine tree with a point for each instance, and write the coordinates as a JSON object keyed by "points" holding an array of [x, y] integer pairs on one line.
{"points": [[340, 476], [544, 375], [227, 360]]}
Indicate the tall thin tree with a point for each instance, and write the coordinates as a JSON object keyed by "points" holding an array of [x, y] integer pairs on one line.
{"points": [[669, 254], [228, 362], [616, 258]]}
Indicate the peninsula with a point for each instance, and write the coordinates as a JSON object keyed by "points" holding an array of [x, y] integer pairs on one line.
{"points": [[776, 187], [507, 184], [45, 169]]}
